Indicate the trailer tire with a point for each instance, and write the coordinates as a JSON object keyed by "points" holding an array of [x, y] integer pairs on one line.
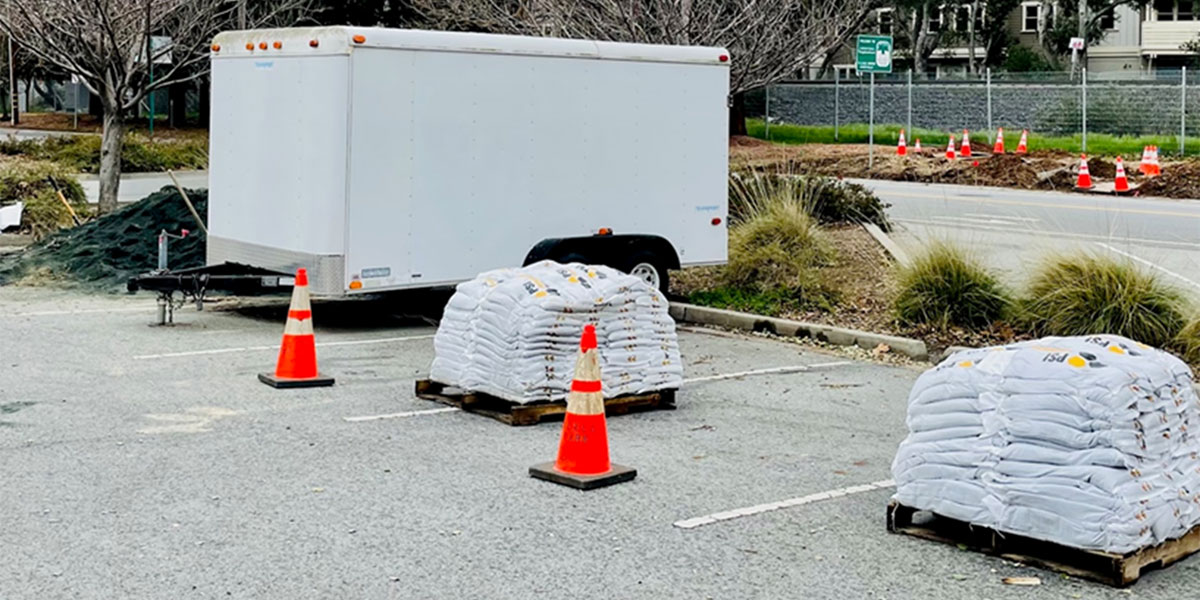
{"points": [[650, 268]]}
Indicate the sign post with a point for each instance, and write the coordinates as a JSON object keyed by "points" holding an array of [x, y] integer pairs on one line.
{"points": [[75, 102], [873, 55]]}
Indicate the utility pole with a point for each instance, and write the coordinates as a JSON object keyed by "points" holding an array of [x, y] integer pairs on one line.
{"points": [[241, 14]]}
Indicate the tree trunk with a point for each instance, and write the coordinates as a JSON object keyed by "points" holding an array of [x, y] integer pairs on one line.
{"points": [[972, 66], [205, 105], [737, 114], [110, 157], [177, 99], [918, 51]]}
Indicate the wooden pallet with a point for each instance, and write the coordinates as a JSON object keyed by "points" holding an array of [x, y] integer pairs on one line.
{"points": [[1118, 570], [514, 413]]}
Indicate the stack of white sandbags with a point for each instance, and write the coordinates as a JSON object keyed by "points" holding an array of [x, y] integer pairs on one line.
{"points": [[1089, 442], [514, 333]]}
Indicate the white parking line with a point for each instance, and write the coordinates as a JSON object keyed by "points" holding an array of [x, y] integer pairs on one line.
{"points": [[276, 347], [773, 506], [770, 371], [1149, 264], [401, 415]]}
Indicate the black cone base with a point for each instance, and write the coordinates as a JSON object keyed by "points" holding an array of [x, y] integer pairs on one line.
{"points": [[284, 382], [616, 474]]}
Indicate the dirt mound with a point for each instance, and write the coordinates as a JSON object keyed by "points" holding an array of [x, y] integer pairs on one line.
{"points": [[745, 141], [106, 252]]}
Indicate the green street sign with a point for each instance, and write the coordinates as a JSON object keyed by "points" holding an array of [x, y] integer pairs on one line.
{"points": [[874, 54]]}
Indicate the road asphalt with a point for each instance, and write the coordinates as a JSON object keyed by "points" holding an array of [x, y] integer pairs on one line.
{"points": [[149, 462], [1014, 229]]}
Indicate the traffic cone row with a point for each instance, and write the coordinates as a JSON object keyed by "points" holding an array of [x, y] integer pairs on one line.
{"points": [[953, 153]]}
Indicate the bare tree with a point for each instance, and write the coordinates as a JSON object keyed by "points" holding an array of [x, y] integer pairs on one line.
{"points": [[769, 40], [106, 43]]}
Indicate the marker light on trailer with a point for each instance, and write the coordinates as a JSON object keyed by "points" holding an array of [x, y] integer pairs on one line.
{"points": [[723, 58], [250, 46], [278, 45], [356, 285], [604, 231], [314, 43], [716, 221], [358, 39], [216, 47], [262, 45]]}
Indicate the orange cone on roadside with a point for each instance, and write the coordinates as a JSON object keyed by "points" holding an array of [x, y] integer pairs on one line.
{"points": [[1122, 182], [1155, 166], [901, 148], [1085, 179], [1144, 166], [999, 147], [950, 153], [966, 145], [917, 146], [297, 365], [1023, 145], [583, 461]]}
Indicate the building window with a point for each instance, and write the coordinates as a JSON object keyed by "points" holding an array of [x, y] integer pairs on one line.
{"points": [[884, 16], [1172, 10], [935, 19], [1029, 17], [962, 17], [1108, 20]]}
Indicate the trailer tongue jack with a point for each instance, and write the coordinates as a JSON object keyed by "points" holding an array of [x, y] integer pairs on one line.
{"points": [[193, 284]]}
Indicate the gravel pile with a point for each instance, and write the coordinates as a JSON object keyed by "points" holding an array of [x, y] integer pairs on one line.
{"points": [[106, 252]]}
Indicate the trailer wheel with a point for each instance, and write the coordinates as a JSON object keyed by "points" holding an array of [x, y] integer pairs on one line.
{"points": [[648, 267]]}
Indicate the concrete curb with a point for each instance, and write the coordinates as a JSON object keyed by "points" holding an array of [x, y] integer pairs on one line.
{"points": [[838, 336], [889, 246]]}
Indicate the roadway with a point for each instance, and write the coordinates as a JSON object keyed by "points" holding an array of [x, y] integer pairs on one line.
{"points": [[1013, 229]]}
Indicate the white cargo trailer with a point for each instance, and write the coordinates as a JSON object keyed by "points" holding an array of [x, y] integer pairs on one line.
{"points": [[384, 159]]}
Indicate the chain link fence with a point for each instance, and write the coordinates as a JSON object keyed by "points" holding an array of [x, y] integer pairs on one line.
{"points": [[1160, 103]]}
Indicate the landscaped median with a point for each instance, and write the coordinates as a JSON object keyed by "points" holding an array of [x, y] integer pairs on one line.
{"points": [[802, 263]]}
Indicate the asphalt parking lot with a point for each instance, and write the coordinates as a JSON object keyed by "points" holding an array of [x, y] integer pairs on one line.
{"points": [[147, 462]]}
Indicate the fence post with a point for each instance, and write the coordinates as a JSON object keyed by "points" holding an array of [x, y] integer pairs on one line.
{"points": [[988, 75], [871, 126], [767, 113], [909, 123], [1182, 108], [1083, 122], [837, 103]]}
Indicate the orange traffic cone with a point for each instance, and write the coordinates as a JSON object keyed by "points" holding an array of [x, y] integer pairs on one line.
{"points": [[902, 148], [1122, 182], [950, 153], [1085, 179], [1144, 166], [917, 146], [1023, 145], [966, 145], [999, 147], [1155, 166], [583, 450], [297, 366]]}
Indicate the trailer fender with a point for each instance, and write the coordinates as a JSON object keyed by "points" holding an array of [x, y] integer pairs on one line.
{"points": [[609, 250]]}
